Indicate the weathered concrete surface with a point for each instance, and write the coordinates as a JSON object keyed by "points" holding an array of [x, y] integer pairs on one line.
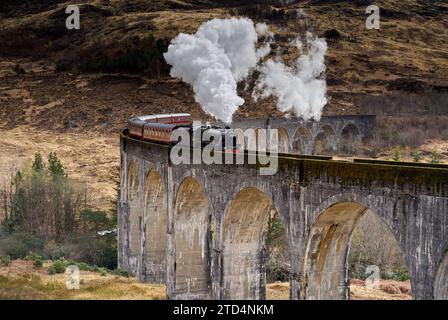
{"points": [[216, 215]]}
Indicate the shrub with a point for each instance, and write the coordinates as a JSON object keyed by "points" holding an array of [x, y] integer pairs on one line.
{"points": [[332, 34], [435, 157], [84, 266], [63, 67], [33, 257], [399, 274], [416, 156], [38, 263], [397, 155], [58, 266], [5, 261], [54, 251], [120, 272], [275, 271], [19, 69], [18, 245]]}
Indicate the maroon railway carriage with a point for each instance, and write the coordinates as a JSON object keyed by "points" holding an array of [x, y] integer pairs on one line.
{"points": [[158, 128]]}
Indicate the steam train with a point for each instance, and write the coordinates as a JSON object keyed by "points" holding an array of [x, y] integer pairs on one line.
{"points": [[159, 128]]}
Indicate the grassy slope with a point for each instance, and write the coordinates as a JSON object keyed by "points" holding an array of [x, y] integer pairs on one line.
{"points": [[410, 44]]}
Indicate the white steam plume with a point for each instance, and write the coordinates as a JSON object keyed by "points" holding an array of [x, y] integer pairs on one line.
{"points": [[301, 88], [221, 53]]}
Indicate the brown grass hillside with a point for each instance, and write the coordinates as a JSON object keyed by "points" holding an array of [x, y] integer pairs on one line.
{"points": [[407, 54]]}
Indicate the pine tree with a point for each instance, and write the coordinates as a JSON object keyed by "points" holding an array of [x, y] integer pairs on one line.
{"points": [[55, 166], [38, 163]]}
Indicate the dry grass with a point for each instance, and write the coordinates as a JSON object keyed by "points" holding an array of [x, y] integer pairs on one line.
{"points": [[20, 280], [388, 290], [277, 291]]}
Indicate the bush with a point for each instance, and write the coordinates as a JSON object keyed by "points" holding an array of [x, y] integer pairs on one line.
{"points": [[18, 245], [120, 272], [275, 271], [38, 263], [397, 155], [84, 266], [417, 156], [63, 67], [54, 251], [332, 34], [435, 157], [5, 261], [399, 274], [19, 69], [58, 266], [33, 257]]}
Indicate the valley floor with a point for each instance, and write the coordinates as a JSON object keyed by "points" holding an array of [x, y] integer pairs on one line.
{"points": [[21, 280]]}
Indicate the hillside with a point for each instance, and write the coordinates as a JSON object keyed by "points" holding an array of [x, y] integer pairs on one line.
{"points": [[408, 54]]}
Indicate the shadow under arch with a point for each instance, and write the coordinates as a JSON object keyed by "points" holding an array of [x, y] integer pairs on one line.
{"points": [[242, 258], [155, 229], [302, 141], [350, 138], [135, 215], [441, 280], [191, 241], [283, 140], [327, 250], [326, 140]]}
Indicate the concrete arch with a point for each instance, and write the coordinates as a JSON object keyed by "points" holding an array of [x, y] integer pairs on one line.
{"points": [[326, 255], [325, 141], [441, 280], [135, 215], [155, 229], [302, 141], [242, 259], [191, 241], [350, 137]]}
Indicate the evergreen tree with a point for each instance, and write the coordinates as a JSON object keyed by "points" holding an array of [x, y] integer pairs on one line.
{"points": [[55, 166], [38, 163]]}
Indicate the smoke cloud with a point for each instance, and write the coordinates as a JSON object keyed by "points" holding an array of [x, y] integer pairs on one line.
{"points": [[213, 60], [300, 88]]}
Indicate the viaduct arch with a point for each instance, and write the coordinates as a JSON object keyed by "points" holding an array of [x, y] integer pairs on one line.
{"points": [[216, 211], [298, 136]]}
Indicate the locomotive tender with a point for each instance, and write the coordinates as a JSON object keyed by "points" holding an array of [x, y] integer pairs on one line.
{"points": [[159, 128]]}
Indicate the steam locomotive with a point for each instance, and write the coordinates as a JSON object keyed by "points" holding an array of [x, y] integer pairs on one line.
{"points": [[159, 128]]}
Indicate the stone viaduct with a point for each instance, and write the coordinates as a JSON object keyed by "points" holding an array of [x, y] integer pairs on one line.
{"points": [[200, 228], [303, 137]]}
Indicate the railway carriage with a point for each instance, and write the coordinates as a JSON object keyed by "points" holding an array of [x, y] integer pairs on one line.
{"points": [[158, 128]]}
